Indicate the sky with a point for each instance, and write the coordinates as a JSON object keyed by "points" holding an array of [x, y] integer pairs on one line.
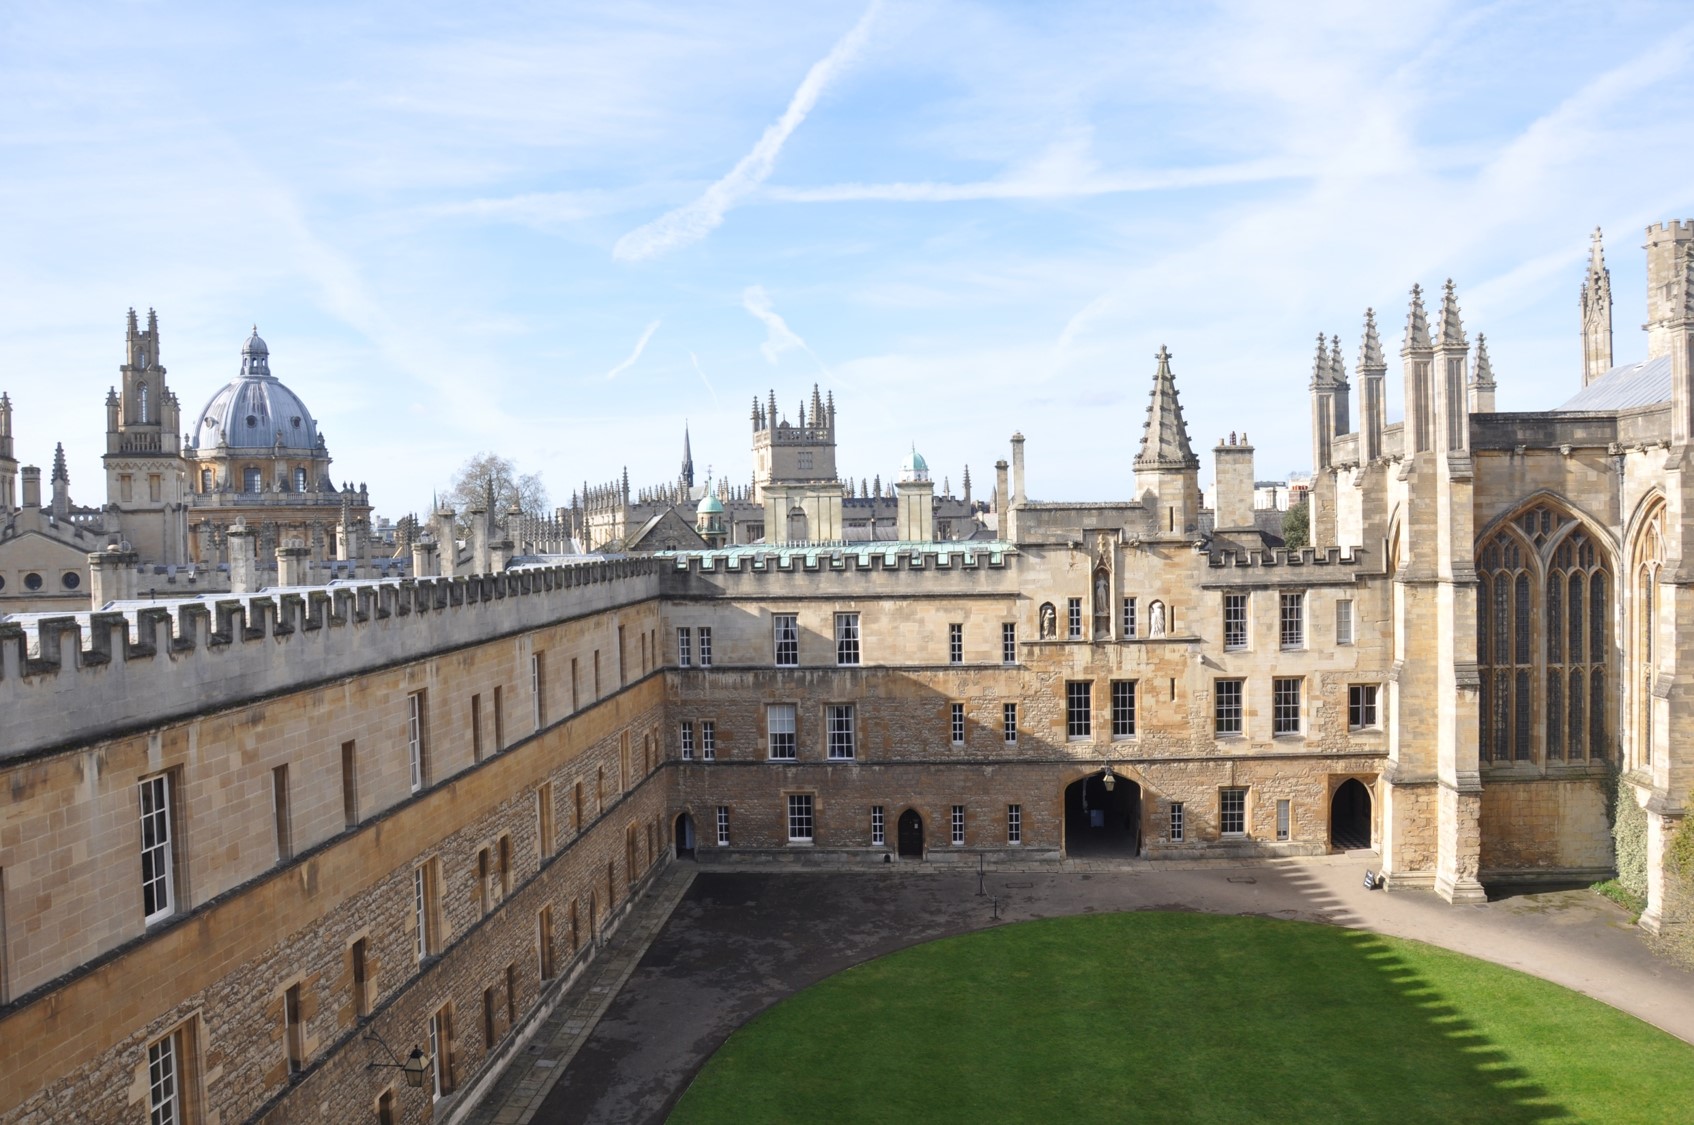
{"points": [[563, 231]]}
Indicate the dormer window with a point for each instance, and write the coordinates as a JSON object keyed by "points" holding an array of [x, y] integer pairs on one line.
{"points": [[296, 421]]}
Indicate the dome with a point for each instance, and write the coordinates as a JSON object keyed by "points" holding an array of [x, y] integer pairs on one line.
{"points": [[711, 505], [914, 467], [255, 411]]}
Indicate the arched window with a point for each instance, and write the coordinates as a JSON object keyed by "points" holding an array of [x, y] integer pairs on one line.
{"points": [[1647, 559], [1543, 640], [250, 479], [205, 480], [299, 480], [142, 403]]}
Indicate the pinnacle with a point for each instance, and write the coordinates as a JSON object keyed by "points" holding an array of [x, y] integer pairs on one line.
{"points": [[1320, 365], [1337, 365], [1482, 373], [1417, 322], [1370, 348], [1164, 441], [1449, 330]]}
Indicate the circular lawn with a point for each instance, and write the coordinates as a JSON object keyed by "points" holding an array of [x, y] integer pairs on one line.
{"points": [[1189, 1017]]}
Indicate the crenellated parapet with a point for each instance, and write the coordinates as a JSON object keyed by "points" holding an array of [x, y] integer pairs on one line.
{"points": [[847, 557], [1340, 557], [68, 680]]}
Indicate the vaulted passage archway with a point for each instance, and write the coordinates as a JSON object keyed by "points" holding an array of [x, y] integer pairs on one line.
{"points": [[1349, 816], [1102, 820]]}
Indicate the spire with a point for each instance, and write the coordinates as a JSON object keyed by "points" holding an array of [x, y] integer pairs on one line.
{"points": [[1597, 286], [1417, 323], [770, 412], [1482, 373], [1370, 348], [1164, 441], [817, 406], [1321, 365], [687, 458], [1449, 330], [59, 470], [755, 413]]}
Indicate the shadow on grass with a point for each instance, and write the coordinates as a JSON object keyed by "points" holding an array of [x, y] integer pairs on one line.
{"points": [[1507, 1092]]}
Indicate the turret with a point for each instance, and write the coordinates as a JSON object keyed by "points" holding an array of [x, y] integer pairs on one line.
{"points": [[1668, 248], [1596, 304], [1373, 408], [1417, 356], [1167, 473], [1450, 371], [1482, 379], [915, 508]]}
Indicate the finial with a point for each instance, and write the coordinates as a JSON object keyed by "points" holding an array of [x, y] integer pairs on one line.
{"points": [[1320, 365], [1337, 364]]}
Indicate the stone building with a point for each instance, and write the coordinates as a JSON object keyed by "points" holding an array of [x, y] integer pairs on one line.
{"points": [[254, 460], [300, 832]]}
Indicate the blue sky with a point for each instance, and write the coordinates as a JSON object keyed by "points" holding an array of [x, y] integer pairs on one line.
{"points": [[559, 231]]}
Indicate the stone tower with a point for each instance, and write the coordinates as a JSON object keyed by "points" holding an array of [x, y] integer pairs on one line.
{"points": [[1167, 472], [1596, 314], [146, 477], [1668, 248]]}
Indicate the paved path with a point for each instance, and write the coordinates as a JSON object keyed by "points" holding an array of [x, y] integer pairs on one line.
{"points": [[519, 1092], [739, 940]]}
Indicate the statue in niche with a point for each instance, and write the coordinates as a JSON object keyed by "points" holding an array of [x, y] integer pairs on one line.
{"points": [[1102, 594], [1156, 619], [1049, 621]]}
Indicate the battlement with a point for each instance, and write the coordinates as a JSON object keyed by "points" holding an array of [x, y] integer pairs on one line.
{"points": [[1670, 231], [65, 680], [786, 434], [1282, 556], [841, 557]]}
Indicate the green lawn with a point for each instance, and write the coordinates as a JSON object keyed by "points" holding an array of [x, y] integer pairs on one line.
{"points": [[1190, 1017]]}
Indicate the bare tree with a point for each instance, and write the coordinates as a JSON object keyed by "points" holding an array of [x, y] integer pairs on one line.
{"points": [[489, 474]]}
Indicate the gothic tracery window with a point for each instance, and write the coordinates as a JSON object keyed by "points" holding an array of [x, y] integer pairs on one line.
{"points": [[1543, 641]]}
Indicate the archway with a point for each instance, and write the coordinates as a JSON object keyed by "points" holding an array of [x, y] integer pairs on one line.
{"points": [[1349, 816], [910, 831], [797, 529], [684, 836], [1102, 820]]}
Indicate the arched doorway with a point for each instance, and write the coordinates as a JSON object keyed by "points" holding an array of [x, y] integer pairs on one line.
{"points": [[911, 834], [1349, 816], [684, 836], [1102, 819]]}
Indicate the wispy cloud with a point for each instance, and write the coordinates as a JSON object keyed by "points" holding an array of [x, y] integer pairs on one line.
{"points": [[695, 220], [701, 371], [1066, 169], [640, 346], [779, 337]]}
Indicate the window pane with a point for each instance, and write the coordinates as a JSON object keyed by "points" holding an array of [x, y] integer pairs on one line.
{"points": [[1597, 740], [1521, 618], [1597, 640], [1522, 716], [1576, 726], [1555, 713], [1576, 621], [1555, 620]]}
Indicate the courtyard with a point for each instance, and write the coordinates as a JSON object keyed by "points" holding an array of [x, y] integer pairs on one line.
{"points": [[739, 941]]}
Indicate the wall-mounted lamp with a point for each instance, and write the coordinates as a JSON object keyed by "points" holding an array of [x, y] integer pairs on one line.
{"points": [[412, 1068], [1108, 778]]}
